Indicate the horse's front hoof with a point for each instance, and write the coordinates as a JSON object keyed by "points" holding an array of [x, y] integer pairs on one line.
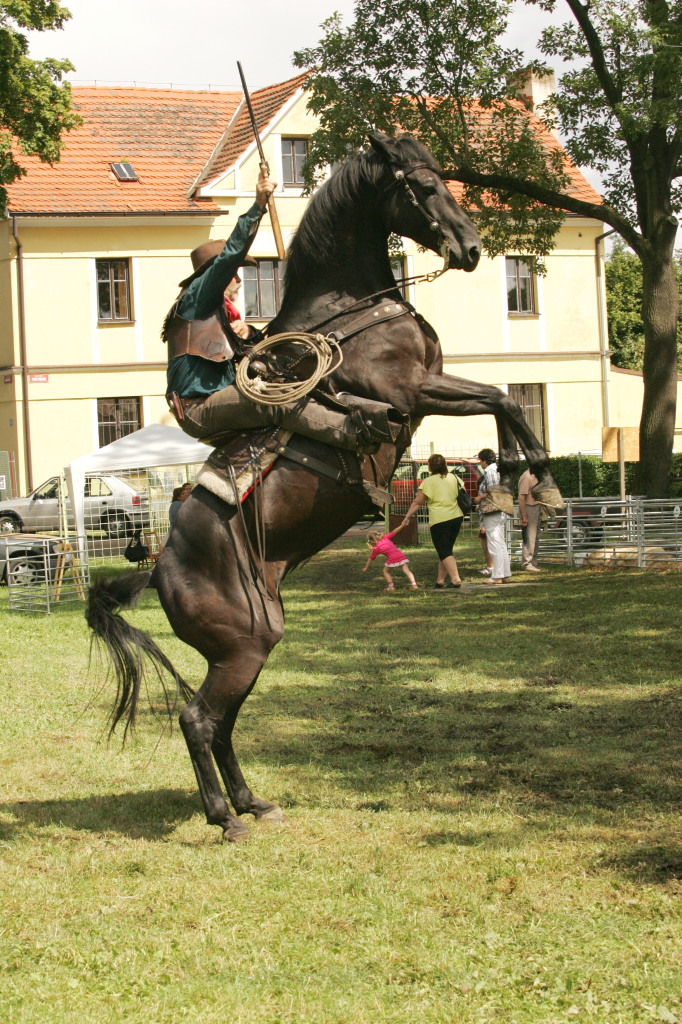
{"points": [[549, 496], [275, 816], [235, 832], [503, 500]]}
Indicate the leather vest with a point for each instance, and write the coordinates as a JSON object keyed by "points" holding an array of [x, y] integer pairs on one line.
{"points": [[211, 338]]}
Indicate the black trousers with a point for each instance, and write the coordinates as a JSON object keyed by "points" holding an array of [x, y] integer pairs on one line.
{"points": [[444, 536]]}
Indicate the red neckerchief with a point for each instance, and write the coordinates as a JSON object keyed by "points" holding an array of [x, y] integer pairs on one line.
{"points": [[232, 311]]}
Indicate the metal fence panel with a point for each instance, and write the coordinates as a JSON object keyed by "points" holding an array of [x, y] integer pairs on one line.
{"points": [[635, 532], [43, 572]]}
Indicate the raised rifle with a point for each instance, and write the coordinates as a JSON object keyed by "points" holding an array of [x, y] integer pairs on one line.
{"points": [[265, 169]]}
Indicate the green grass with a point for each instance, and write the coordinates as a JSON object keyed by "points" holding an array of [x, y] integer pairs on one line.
{"points": [[483, 794]]}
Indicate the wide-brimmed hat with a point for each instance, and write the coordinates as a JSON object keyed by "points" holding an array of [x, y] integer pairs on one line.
{"points": [[205, 254]]}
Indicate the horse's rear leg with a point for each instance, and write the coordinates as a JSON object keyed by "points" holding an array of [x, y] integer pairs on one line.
{"points": [[199, 728], [207, 723], [241, 797]]}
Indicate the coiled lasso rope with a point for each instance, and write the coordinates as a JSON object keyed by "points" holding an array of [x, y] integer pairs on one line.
{"points": [[327, 353]]}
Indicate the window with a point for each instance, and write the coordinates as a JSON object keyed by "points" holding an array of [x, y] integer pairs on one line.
{"points": [[125, 172], [520, 286], [263, 289], [531, 398], [399, 269], [48, 490], [117, 417], [113, 290], [294, 153], [95, 487]]}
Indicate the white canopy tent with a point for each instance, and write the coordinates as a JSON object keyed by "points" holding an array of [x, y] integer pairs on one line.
{"points": [[151, 446]]}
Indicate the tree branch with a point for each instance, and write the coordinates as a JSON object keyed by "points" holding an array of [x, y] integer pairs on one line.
{"points": [[612, 92], [437, 130], [558, 200]]}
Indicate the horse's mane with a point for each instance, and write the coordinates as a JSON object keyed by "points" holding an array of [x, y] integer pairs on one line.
{"points": [[317, 237]]}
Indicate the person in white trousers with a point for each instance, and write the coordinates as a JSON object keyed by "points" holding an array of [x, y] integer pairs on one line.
{"points": [[494, 521]]}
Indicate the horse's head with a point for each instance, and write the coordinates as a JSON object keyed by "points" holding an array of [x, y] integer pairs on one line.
{"points": [[419, 206]]}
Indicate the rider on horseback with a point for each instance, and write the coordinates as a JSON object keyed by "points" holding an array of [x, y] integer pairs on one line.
{"points": [[202, 343]]}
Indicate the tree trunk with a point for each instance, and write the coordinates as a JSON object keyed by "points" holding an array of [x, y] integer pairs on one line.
{"points": [[660, 311]]}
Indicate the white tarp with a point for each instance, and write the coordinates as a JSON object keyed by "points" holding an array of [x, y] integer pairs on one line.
{"points": [[151, 446]]}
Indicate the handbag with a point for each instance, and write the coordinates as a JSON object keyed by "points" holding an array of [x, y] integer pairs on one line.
{"points": [[463, 500], [136, 551]]}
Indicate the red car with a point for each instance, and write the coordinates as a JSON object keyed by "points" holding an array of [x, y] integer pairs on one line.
{"points": [[411, 472]]}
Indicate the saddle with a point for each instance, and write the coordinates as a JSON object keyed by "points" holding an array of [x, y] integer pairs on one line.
{"points": [[242, 459]]}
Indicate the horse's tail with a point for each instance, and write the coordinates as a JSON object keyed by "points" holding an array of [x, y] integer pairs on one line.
{"points": [[129, 649]]}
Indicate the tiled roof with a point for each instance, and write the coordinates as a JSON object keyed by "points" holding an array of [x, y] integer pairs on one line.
{"points": [[167, 136], [174, 140], [265, 102]]}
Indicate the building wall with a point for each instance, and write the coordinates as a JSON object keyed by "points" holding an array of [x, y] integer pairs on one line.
{"points": [[72, 360], [77, 360]]}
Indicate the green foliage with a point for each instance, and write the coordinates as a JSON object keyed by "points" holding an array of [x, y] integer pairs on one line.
{"points": [[623, 273], [418, 65], [35, 105], [438, 69], [624, 90], [624, 299]]}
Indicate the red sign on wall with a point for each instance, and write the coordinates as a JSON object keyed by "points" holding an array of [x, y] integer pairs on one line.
{"points": [[38, 378]]}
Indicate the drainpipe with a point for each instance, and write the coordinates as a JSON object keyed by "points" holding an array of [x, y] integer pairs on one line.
{"points": [[22, 356], [603, 325]]}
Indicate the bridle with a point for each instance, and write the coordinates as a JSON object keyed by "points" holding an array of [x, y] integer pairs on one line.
{"points": [[401, 181]]}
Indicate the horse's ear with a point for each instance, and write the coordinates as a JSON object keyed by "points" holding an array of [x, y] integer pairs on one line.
{"points": [[383, 145]]}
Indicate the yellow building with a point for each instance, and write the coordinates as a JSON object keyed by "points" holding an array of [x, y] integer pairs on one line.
{"points": [[92, 251]]}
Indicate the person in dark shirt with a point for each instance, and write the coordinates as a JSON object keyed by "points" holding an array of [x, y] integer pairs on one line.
{"points": [[202, 345]]}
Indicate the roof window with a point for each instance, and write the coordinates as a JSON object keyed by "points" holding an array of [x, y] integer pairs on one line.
{"points": [[124, 172]]}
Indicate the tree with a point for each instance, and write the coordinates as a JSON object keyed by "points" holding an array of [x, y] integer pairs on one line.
{"points": [[35, 109], [438, 69], [624, 299]]}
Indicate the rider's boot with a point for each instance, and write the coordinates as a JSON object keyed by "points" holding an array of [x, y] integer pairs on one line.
{"points": [[362, 428], [374, 420]]}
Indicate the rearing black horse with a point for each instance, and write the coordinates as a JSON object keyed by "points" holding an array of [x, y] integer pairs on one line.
{"points": [[338, 264]]}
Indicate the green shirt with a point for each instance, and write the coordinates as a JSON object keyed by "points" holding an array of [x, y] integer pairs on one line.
{"points": [[441, 498], [193, 376]]}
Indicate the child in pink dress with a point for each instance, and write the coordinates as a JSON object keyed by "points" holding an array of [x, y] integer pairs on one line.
{"points": [[383, 545]]}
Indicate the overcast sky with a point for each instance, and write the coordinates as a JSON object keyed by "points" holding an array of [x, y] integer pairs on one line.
{"points": [[197, 42]]}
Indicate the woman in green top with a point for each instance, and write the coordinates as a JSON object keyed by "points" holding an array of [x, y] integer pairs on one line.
{"points": [[439, 493]]}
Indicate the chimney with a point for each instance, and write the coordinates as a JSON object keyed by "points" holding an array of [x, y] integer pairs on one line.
{"points": [[535, 88]]}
